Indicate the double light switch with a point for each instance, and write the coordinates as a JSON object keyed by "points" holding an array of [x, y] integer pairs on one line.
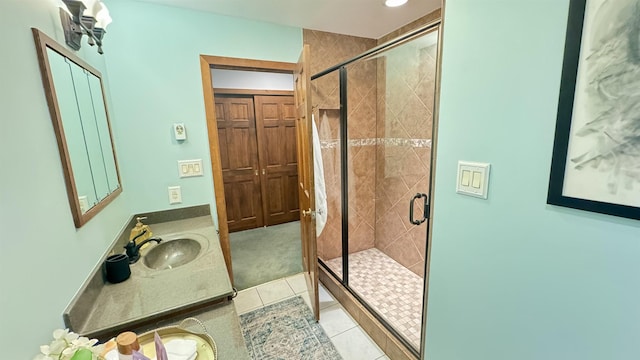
{"points": [[473, 179]]}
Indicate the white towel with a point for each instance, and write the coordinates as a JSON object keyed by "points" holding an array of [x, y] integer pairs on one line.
{"points": [[177, 349], [320, 189], [181, 349]]}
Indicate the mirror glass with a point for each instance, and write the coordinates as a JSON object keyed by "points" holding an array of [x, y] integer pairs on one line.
{"points": [[75, 93]]}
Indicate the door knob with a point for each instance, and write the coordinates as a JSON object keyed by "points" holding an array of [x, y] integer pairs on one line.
{"points": [[256, 172], [309, 213]]}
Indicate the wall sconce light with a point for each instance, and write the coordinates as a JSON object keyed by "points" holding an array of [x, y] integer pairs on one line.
{"points": [[84, 17]]}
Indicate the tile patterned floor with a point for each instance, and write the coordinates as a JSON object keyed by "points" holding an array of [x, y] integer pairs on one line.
{"points": [[347, 336], [394, 291]]}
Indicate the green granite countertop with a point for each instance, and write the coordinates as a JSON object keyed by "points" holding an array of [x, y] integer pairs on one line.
{"points": [[101, 309]]}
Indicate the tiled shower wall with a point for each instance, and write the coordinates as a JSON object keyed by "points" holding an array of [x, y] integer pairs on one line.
{"points": [[361, 104], [406, 84], [329, 49]]}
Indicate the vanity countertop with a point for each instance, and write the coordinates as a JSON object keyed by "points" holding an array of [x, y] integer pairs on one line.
{"points": [[150, 296]]}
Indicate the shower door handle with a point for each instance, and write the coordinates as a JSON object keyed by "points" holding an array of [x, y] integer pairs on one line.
{"points": [[425, 211]]}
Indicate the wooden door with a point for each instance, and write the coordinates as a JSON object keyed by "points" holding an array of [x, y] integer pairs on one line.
{"points": [[276, 128], [239, 159], [306, 191]]}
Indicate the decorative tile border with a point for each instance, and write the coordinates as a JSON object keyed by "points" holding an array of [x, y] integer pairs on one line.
{"points": [[412, 143]]}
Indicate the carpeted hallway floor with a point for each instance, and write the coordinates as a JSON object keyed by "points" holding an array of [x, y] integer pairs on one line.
{"points": [[265, 254]]}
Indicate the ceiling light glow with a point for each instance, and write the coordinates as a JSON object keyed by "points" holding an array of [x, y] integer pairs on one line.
{"points": [[394, 3]]}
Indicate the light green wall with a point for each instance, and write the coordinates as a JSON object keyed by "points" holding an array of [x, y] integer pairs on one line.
{"points": [[43, 258], [153, 54], [519, 280], [154, 67], [512, 277]]}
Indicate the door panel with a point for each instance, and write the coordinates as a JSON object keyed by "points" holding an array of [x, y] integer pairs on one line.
{"points": [[291, 149], [241, 139], [239, 159], [224, 153], [275, 189], [302, 88], [275, 121]]}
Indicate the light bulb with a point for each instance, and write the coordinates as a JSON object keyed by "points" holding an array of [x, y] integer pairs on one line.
{"points": [[395, 3], [103, 19]]}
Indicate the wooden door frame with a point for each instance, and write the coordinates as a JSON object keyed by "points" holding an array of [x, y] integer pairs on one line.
{"points": [[208, 62]]}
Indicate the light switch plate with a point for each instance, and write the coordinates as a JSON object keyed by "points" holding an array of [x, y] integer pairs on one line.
{"points": [[473, 179], [189, 168]]}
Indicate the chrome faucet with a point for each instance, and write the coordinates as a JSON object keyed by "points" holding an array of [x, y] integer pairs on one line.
{"points": [[133, 250]]}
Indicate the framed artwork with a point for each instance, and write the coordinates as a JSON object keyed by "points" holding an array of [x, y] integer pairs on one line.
{"points": [[596, 152]]}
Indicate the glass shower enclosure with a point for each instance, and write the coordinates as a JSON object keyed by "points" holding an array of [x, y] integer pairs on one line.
{"points": [[374, 116]]}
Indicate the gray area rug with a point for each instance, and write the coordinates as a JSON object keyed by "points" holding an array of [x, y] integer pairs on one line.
{"points": [[265, 254], [286, 330]]}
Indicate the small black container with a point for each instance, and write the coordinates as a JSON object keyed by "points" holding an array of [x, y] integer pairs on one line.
{"points": [[117, 268]]}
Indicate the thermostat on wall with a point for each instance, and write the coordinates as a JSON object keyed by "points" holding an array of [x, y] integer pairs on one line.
{"points": [[473, 179]]}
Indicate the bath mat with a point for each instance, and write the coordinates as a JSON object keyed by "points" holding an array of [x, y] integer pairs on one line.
{"points": [[286, 330]]}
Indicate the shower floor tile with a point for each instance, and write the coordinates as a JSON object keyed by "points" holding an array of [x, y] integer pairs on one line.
{"points": [[394, 291]]}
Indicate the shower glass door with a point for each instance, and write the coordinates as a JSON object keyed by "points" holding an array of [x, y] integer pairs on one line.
{"points": [[377, 158], [390, 124], [326, 112]]}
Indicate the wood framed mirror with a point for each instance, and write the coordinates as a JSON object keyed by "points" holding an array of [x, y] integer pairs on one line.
{"points": [[78, 108]]}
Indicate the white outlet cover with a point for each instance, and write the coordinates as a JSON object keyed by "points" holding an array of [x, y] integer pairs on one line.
{"points": [[473, 179], [175, 195]]}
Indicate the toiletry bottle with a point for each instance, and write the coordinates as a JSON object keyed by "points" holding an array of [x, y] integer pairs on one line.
{"points": [[138, 232], [127, 342]]}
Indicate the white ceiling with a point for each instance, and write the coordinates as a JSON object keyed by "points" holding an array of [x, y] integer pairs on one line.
{"points": [[365, 18]]}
